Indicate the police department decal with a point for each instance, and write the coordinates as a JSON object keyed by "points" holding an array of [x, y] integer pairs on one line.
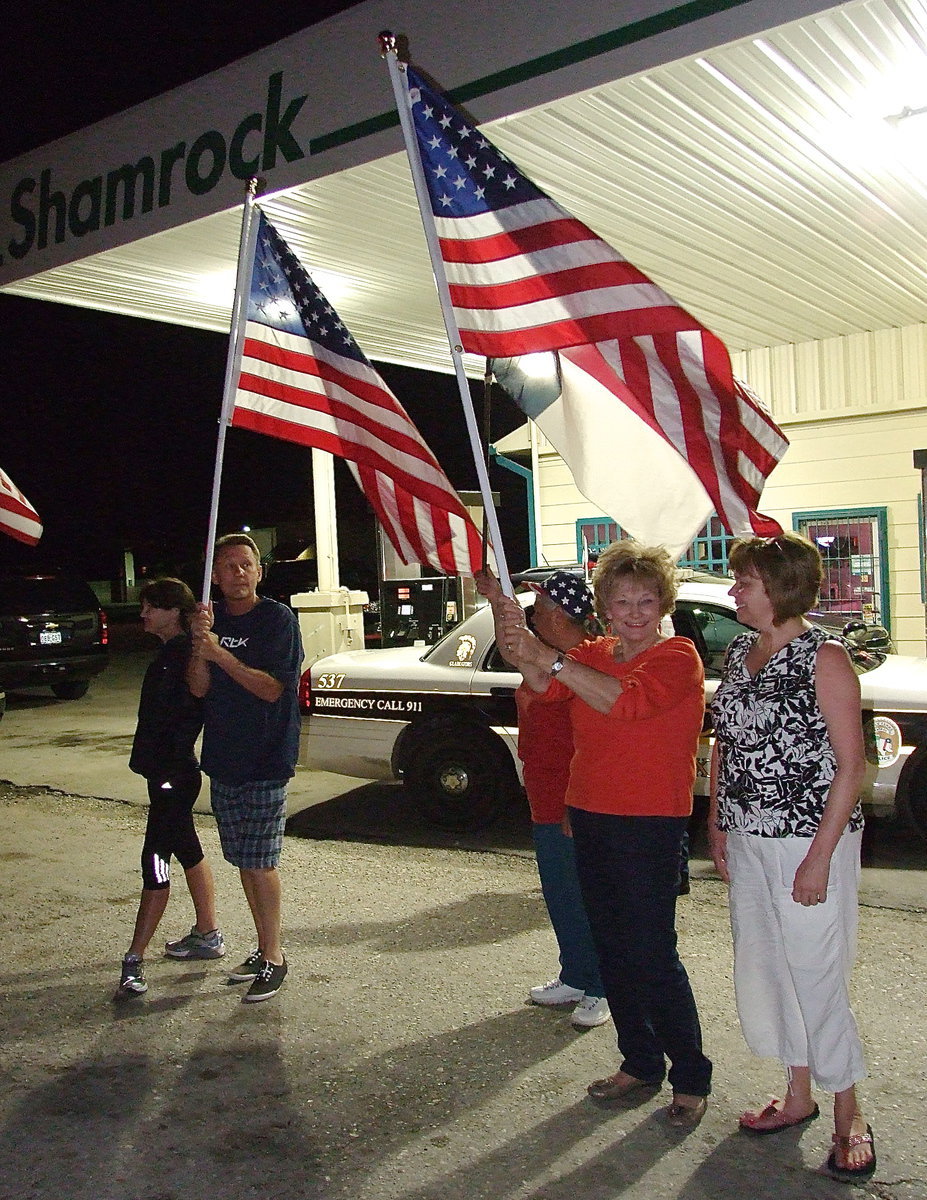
{"points": [[466, 648], [883, 741]]}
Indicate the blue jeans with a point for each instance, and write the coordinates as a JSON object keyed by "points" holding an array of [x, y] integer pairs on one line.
{"points": [[629, 873], [579, 962]]}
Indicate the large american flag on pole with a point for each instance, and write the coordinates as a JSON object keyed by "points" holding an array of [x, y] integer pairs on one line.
{"points": [[17, 516], [304, 379], [527, 278]]}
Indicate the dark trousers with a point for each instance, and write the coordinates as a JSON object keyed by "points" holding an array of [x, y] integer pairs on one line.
{"points": [[170, 829], [629, 874]]}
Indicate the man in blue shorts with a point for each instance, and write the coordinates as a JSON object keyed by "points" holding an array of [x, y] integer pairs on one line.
{"points": [[246, 661]]}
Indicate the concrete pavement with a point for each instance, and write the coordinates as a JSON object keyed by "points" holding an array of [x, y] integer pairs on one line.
{"points": [[399, 1062]]}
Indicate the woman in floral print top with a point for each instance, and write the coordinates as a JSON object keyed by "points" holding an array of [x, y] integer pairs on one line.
{"points": [[785, 828]]}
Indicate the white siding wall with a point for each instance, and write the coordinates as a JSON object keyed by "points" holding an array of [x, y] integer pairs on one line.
{"points": [[854, 410], [862, 462], [862, 373]]}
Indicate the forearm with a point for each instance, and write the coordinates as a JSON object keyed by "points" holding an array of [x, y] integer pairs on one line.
{"points": [[258, 683], [198, 678], [535, 677], [841, 801], [595, 688], [713, 787], [535, 658], [717, 838], [499, 623]]}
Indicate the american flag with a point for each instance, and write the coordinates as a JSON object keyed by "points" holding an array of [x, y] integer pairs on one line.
{"points": [[17, 516], [525, 277], [304, 379]]}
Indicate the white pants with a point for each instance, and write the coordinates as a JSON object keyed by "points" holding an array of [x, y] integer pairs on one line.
{"points": [[792, 964]]}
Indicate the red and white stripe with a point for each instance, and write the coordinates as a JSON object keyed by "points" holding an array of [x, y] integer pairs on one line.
{"points": [[531, 278], [17, 516], [292, 388]]}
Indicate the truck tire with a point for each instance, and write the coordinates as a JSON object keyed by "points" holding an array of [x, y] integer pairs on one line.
{"points": [[911, 795], [460, 779], [70, 690]]}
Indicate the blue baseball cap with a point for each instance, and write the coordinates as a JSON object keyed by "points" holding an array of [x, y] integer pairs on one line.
{"points": [[569, 591]]}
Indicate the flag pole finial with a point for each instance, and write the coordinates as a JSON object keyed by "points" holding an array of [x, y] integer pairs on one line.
{"points": [[397, 44]]}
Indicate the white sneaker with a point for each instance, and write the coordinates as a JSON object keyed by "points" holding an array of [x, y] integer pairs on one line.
{"points": [[556, 992], [591, 1011]]}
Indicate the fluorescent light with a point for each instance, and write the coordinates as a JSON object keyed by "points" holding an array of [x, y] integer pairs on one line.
{"points": [[897, 118], [542, 365], [333, 286], [218, 287]]}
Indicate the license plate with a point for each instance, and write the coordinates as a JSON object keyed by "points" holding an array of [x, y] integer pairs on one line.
{"points": [[49, 637]]}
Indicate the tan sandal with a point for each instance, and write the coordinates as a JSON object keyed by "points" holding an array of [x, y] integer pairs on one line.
{"points": [[622, 1088], [687, 1116]]}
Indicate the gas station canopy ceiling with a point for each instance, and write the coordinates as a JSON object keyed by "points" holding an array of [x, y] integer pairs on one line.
{"points": [[758, 182]]}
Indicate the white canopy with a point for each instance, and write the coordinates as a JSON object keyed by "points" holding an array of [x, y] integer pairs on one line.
{"points": [[749, 170]]}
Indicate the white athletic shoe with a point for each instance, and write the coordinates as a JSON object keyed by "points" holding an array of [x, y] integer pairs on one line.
{"points": [[556, 992], [591, 1011]]}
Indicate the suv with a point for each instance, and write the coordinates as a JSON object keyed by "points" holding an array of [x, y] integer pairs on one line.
{"points": [[52, 633]]}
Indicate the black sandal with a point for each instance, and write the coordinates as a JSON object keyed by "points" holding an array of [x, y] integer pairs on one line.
{"points": [[852, 1174]]}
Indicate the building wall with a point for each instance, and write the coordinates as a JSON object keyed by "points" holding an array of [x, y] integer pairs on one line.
{"points": [[854, 410]]}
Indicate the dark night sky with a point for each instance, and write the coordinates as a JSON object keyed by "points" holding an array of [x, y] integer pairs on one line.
{"points": [[108, 423]]}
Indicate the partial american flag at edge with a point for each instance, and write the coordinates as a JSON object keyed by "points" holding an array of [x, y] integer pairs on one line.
{"points": [[526, 277], [17, 516], [304, 379]]}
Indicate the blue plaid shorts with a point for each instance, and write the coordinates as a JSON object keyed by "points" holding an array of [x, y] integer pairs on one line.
{"points": [[251, 818]]}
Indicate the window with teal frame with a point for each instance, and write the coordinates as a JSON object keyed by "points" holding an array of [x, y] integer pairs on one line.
{"points": [[708, 552], [593, 535], [854, 546]]}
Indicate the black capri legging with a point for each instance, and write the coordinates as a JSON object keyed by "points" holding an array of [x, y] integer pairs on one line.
{"points": [[170, 830]]}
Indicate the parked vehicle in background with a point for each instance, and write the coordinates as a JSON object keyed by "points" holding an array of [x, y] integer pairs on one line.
{"points": [[53, 632], [444, 719], [285, 577]]}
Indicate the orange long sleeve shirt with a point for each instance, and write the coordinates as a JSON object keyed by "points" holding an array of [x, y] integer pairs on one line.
{"points": [[639, 758]]}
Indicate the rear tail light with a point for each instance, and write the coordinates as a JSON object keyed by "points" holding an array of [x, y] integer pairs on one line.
{"points": [[305, 690], [104, 629]]}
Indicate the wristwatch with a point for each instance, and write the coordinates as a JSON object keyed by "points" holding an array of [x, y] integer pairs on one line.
{"points": [[557, 665]]}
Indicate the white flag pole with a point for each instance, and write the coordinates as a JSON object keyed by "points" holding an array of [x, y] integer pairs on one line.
{"points": [[232, 365], [399, 81]]}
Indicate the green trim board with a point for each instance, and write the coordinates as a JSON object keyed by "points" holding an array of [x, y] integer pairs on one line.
{"points": [[603, 43]]}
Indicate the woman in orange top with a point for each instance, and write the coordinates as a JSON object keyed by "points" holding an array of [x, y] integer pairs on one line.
{"points": [[636, 708]]}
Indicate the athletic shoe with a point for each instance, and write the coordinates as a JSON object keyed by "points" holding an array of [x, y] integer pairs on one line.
{"points": [[556, 992], [197, 945], [132, 982], [591, 1011], [267, 982], [249, 969]]}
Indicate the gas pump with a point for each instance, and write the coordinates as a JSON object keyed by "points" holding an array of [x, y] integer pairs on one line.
{"points": [[420, 610]]}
